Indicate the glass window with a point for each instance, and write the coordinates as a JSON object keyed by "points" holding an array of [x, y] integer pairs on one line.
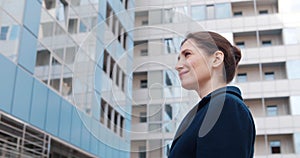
{"points": [[49, 4], [180, 14], [240, 44], [67, 86], [238, 13], [168, 111], [143, 84], [61, 10], [266, 43], [42, 57], [142, 152], [168, 80], [242, 77], [269, 76], [14, 32], [116, 121], [168, 15], [143, 117], [72, 28], [263, 12], [210, 11], [168, 44], [102, 111], [3, 33], [112, 65], [121, 125], [275, 147], [109, 112], [272, 110], [105, 59], [198, 12], [82, 27], [223, 10], [145, 22], [144, 52]]}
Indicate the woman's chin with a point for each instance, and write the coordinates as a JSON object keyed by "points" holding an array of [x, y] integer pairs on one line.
{"points": [[188, 86]]}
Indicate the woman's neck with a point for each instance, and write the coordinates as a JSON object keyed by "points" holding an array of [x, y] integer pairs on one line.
{"points": [[210, 86]]}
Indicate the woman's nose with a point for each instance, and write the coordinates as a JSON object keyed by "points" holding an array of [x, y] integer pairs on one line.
{"points": [[178, 65]]}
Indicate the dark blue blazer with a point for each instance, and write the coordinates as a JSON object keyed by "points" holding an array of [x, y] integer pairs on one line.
{"points": [[219, 126]]}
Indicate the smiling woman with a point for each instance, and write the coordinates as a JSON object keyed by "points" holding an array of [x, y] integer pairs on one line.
{"points": [[220, 125]]}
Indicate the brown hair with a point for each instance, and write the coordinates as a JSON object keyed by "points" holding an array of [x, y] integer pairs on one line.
{"points": [[212, 42]]}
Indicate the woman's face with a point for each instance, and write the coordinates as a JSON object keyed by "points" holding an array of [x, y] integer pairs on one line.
{"points": [[193, 66]]}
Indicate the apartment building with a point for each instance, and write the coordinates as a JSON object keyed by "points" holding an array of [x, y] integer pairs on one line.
{"points": [[65, 78], [267, 31]]}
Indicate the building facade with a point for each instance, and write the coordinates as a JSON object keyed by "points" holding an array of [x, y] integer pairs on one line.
{"points": [[65, 87], [267, 31]]}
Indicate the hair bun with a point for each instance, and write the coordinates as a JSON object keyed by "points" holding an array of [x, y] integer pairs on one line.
{"points": [[237, 54]]}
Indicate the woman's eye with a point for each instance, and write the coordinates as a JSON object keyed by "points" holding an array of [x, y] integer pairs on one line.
{"points": [[186, 54]]}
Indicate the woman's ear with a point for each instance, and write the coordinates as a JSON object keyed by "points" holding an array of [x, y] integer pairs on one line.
{"points": [[218, 58]]}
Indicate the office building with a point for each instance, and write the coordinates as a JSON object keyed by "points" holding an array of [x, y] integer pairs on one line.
{"points": [[267, 31], [65, 78]]}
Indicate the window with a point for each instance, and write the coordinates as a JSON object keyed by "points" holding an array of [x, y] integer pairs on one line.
{"points": [[125, 40], [240, 44], [168, 44], [123, 81], [126, 4], [275, 147], [108, 14], [210, 11], [144, 52], [102, 111], [143, 84], [82, 27], [263, 12], [222, 10], [238, 13], [121, 125], [109, 112], [117, 74], [49, 4], [143, 117], [266, 43], [3, 33], [168, 80], [14, 32], [168, 110], [112, 65], [105, 58], [67, 86], [42, 57], [242, 77], [145, 22], [142, 151], [62, 10], [272, 110], [198, 12], [269, 76], [116, 121], [73, 23]]}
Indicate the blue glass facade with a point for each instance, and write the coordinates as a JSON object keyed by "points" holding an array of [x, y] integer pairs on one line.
{"points": [[38, 100]]}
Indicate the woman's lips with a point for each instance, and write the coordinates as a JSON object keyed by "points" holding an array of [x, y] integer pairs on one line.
{"points": [[182, 73]]}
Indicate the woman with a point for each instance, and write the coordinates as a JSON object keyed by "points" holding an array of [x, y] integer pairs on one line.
{"points": [[220, 125]]}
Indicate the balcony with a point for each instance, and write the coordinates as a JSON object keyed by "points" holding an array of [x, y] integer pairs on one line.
{"points": [[270, 54], [277, 124], [274, 88]]}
